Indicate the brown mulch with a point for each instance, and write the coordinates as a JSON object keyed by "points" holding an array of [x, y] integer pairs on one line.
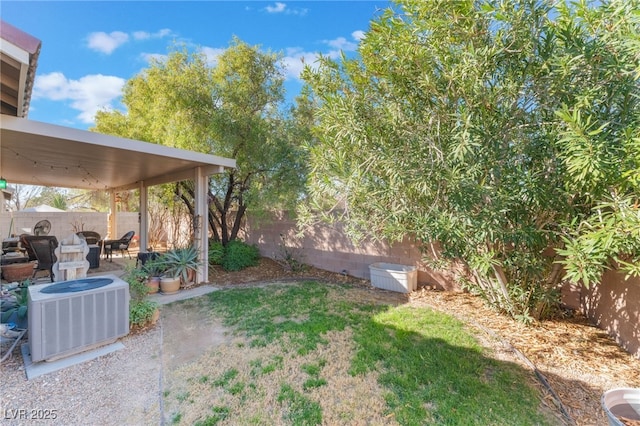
{"points": [[575, 361]]}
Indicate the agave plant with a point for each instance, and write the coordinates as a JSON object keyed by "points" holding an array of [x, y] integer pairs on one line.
{"points": [[180, 262]]}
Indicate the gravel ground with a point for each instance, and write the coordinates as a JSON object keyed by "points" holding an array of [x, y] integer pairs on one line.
{"points": [[120, 388]]}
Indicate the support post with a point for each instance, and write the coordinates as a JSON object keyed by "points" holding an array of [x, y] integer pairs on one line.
{"points": [[200, 230]]}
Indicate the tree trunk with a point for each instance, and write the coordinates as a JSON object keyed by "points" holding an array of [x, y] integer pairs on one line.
{"points": [[502, 282], [237, 222]]}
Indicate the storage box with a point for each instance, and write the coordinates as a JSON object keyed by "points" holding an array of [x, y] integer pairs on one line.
{"points": [[389, 276]]}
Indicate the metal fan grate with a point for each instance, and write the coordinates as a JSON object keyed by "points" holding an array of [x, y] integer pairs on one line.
{"points": [[42, 228]]}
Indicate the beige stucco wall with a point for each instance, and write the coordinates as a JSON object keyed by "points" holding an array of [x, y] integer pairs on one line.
{"points": [[613, 305]]}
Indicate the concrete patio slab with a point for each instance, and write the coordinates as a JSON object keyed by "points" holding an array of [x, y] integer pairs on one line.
{"points": [[34, 370]]}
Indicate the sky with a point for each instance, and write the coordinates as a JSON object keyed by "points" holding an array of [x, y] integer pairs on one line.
{"points": [[90, 48]]}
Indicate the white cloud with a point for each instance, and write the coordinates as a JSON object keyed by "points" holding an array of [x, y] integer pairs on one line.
{"points": [[107, 43], [283, 8], [144, 35], [296, 58], [278, 8], [343, 44], [148, 57], [88, 95], [212, 54], [358, 35]]}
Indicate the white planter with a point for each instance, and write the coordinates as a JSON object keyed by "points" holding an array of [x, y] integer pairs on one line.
{"points": [[389, 276], [621, 402]]}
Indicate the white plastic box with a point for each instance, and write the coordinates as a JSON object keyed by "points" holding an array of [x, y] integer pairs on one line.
{"points": [[389, 276]]}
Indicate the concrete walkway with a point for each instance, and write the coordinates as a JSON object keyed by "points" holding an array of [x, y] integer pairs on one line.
{"points": [[163, 299]]}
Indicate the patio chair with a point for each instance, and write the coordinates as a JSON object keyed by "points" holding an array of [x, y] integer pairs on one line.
{"points": [[121, 245], [43, 247], [24, 243], [91, 237]]}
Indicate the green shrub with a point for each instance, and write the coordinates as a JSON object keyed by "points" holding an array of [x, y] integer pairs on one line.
{"points": [[136, 279], [141, 311], [216, 252], [239, 255]]}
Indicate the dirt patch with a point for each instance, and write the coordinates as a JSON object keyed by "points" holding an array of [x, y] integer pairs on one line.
{"points": [[189, 330]]}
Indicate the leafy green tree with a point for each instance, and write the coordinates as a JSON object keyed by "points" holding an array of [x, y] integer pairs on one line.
{"points": [[55, 197], [600, 137], [59, 201], [232, 109], [449, 127]]}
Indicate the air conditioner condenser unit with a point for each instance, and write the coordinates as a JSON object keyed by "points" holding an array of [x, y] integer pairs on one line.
{"points": [[77, 315]]}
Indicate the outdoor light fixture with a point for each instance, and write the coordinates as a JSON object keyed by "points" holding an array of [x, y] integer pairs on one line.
{"points": [[3, 183]]}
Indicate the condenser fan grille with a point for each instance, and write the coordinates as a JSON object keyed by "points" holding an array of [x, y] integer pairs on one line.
{"points": [[42, 228]]}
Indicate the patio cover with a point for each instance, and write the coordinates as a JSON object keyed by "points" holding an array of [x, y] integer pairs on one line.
{"points": [[37, 153]]}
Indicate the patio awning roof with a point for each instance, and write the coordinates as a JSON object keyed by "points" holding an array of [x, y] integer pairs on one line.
{"points": [[37, 153]]}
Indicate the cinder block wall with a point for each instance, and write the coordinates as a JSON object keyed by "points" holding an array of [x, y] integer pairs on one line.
{"points": [[64, 224], [327, 247]]}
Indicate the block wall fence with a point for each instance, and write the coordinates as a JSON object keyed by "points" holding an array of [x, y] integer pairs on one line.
{"points": [[64, 224], [614, 305], [327, 247]]}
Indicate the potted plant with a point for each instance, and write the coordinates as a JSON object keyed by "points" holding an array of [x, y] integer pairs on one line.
{"points": [[169, 283], [154, 269], [17, 272], [182, 263]]}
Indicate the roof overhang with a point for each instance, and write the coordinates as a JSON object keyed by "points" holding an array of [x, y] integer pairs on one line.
{"points": [[19, 53], [37, 153]]}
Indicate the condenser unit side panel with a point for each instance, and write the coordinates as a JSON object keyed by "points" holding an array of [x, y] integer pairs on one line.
{"points": [[72, 323]]}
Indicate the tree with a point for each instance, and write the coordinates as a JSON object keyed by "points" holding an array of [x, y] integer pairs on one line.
{"points": [[23, 196], [449, 128], [600, 137], [55, 197], [231, 110]]}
